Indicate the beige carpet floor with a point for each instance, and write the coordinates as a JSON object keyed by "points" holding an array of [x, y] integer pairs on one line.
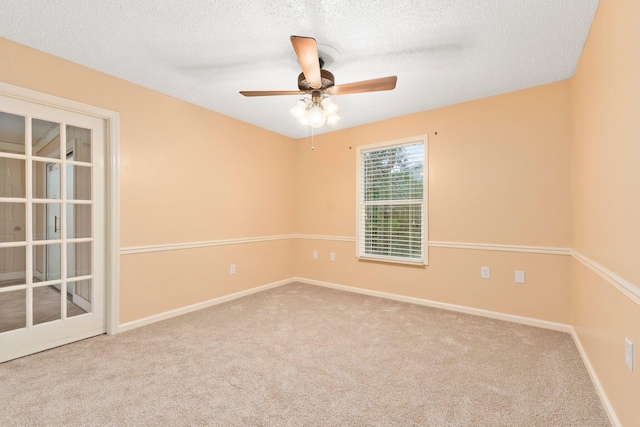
{"points": [[301, 355]]}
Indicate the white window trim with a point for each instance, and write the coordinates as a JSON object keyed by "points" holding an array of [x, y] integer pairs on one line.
{"points": [[424, 139]]}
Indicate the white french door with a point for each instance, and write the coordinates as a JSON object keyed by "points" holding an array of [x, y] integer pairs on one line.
{"points": [[52, 227]]}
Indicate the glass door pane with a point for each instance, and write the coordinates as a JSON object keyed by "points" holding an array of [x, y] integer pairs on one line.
{"points": [[13, 309], [45, 139], [12, 177], [12, 221], [12, 133], [47, 221], [78, 221], [13, 265], [46, 304], [79, 143], [46, 180], [79, 183], [79, 297], [46, 262]]}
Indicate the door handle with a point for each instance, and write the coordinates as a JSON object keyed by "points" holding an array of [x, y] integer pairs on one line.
{"points": [[55, 224]]}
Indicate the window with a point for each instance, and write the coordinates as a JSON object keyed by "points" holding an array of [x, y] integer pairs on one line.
{"points": [[392, 194]]}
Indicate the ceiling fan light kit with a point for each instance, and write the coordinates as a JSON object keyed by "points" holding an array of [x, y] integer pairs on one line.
{"points": [[319, 108], [315, 111]]}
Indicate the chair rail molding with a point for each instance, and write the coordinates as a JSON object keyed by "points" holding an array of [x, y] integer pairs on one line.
{"points": [[627, 288]]}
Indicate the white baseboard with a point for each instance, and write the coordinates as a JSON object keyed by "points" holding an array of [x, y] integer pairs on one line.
{"points": [[412, 300], [199, 306], [445, 306], [596, 381]]}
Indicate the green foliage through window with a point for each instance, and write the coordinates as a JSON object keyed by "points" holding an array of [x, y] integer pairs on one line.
{"points": [[391, 203]]}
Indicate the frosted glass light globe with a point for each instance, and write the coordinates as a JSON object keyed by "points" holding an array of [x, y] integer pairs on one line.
{"points": [[329, 106], [315, 115], [298, 110]]}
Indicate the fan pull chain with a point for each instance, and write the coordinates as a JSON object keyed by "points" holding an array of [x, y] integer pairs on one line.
{"points": [[307, 138]]}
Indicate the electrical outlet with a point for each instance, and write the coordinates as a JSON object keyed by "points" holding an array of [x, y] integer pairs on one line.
{"points": [[315, 254], [485, 272], [628, 353], [519, 276], [332, 256], [232, 269]]}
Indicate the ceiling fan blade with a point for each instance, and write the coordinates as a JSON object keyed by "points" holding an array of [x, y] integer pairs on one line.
{"points": [[270, 92], [307, 53], [374, 85]]}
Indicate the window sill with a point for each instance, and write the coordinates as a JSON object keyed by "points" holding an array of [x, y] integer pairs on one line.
{"points": [[417, 263]]}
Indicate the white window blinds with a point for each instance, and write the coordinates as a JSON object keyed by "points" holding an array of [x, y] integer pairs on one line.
{"points": [[391, 213]]}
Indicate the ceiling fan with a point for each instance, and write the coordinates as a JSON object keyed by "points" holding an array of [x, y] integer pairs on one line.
{"points": [[320, 83]]}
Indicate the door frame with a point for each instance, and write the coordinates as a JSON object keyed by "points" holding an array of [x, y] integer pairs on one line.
{"points": [[112, 190]]}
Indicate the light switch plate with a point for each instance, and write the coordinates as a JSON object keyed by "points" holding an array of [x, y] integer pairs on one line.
{"points": [[485, 272], [628, 353], [519, 276]]}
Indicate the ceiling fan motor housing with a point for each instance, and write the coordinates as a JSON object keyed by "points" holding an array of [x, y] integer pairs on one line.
{"points": [[327, 81]]}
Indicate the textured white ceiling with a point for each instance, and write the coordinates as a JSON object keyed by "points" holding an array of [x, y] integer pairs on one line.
{"points": [[205, 51]]}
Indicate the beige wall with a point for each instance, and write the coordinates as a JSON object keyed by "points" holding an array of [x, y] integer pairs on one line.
{"points": [[499, 173], [550, 166], [186, 175], [187, 277], [606, 198]]}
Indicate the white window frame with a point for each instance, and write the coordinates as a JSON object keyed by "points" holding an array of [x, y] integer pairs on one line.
{"points": [[360, 150]]}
